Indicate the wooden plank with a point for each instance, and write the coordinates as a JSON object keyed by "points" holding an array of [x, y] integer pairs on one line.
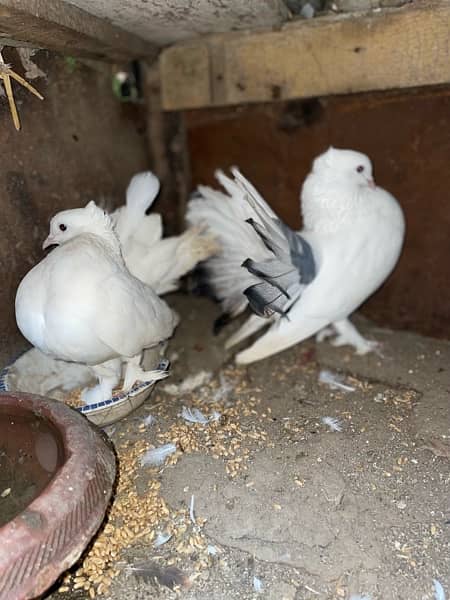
{"points": [[399, 48], [56, 25], [178, 67], [168, 152]]}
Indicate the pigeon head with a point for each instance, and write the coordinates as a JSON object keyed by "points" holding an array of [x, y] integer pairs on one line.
{"points": [[340, 183], [68, 224], [349, 166]]}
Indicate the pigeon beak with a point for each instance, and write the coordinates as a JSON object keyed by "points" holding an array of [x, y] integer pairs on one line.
{"points": [[371, 183], [50, 241]]}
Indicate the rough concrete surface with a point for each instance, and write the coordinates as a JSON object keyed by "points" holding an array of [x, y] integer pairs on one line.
{"points": [[312, 513], [167, 21]]}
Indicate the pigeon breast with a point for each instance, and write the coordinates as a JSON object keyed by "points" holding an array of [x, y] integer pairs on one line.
{"points": [[81, 304]]}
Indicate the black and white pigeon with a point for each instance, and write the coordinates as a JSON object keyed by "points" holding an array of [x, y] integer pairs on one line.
{"points": [[81, 304], [157, 261], [308, 282]]}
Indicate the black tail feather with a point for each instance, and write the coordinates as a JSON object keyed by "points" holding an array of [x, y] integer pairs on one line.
{"points": [[264, 299], [200, 283], [269, 271], [221, 322]]}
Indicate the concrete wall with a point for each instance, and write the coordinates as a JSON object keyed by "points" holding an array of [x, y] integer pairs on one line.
{"points": [[167, 21]]}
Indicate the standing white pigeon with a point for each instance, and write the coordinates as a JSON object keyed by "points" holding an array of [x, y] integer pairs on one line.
{"points": [[156, 261], [308, 282], [81, 304]]}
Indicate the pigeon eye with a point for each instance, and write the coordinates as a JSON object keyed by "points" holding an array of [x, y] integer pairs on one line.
{"points": [[360, 168], [63, 227]]}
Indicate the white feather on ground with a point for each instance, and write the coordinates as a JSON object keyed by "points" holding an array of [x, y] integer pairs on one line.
{"points": [[333, 423], [257, 584], [194, 415], [191, 509], [149, 420], [334, 381], [150, 572], [192, 382], [156, 456], [161, 539], [157, 261], [439, 593]]}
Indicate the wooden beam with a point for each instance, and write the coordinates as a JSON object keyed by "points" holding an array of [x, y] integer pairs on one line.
{"points": [[169, 157], [396, 48], [56, 25]]}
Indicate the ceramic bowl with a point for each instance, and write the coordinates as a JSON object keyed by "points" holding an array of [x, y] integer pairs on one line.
{"points": [[37, 373]]}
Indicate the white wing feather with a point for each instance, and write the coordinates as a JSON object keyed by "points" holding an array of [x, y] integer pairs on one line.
{"points": [[157, 262]]}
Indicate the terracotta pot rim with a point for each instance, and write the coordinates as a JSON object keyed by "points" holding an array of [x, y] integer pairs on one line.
{"points": [[60, 521]]}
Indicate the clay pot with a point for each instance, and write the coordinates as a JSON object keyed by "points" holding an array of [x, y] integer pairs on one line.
{"points": [[57, 472]]}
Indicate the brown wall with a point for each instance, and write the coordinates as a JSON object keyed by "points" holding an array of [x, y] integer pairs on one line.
{"points": [[80, 143], [407, 136]]}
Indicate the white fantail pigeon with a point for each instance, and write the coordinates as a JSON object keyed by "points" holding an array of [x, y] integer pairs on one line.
{"points": [[308, 282], [81, 304]]}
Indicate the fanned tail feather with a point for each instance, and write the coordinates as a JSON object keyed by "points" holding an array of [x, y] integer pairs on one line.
{"points": [[225, 217], [290, 267], [141, 193], [157, 262], [175, 256], [262, 263]]}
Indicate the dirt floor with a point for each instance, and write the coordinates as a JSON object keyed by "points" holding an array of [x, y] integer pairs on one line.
{"points": [[283, 507]]}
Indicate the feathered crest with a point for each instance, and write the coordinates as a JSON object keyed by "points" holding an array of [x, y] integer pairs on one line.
{"points": [[98, 215], [324, 160]]}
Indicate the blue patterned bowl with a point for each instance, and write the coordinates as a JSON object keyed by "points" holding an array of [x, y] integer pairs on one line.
{"points": [[36, 373]]}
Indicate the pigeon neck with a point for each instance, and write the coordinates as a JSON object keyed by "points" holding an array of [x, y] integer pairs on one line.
{"points": [[113, 241], [327, 205], [108, 238]]}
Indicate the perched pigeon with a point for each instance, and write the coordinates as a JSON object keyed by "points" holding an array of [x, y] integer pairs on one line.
{"points": [[302, 283], [81, 304], [156, 261]]}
